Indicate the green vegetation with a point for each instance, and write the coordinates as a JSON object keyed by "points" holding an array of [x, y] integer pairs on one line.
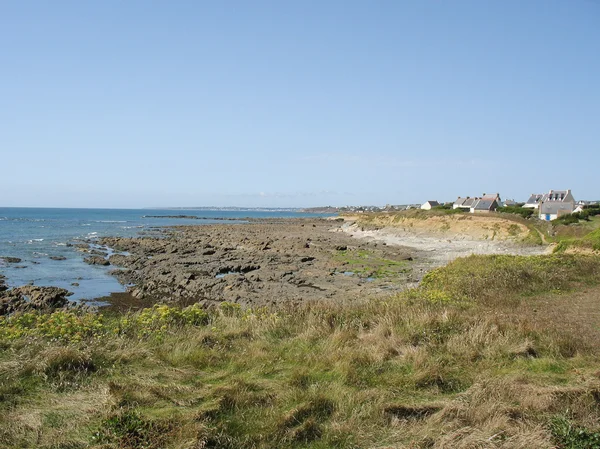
{"points": [[584, 236], [516, 210], [499, 277], [472, 358], [368, 264], [584, 215], [590, 241], [570, 436]]}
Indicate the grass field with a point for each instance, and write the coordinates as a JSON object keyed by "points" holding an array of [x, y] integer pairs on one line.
{"points": [[480, 355]]}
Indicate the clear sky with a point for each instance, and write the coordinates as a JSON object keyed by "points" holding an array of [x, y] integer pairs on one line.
{"points": [[296, 103]]}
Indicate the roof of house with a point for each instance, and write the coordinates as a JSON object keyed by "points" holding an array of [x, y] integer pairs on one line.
{"points": [[555, 195], [534, 198], [464, 202], [433, 203], [485, 204], [491, 196]]}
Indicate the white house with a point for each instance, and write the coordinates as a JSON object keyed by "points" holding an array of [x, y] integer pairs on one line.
{"points": [[429, 205], [556, 203]]}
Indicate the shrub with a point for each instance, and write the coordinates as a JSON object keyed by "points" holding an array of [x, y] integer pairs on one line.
{"points": [[517, 210], [59, 325]]}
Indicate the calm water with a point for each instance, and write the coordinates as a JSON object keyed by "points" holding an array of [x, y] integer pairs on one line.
{"points": [[34, 235]]}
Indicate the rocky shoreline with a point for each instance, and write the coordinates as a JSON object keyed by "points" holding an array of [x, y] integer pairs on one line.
{"points": [[259, 263]]}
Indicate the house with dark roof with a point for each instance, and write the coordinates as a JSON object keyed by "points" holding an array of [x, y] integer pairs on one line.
{"points": [[429, 205], [463, 203], [534, 201], [485, 204], [555, 204]]}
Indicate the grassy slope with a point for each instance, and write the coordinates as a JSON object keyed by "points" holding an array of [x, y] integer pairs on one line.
{"points": [[456, 363], [580, 236]]}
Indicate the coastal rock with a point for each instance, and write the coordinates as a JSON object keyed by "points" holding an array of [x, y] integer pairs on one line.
{"points": [[29, 297], [97, 252], [8, 259], [57, 258], [96, 260], [118, 259]]}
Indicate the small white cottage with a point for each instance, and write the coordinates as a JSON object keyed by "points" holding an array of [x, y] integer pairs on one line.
{"points": [[429, 205]]}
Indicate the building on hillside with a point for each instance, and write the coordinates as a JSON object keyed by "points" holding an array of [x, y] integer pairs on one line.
{"points": [[534, 201], [555, 204], [487, 203], [429, 205], [463, 203], [509, 203]]}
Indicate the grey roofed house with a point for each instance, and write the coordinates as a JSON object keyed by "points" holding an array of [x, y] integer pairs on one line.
{"points": [[557, 195], [486, 203], [459, 202], [556, 203], [534, 200], [429, 204], [469, 202], [463, 203]]}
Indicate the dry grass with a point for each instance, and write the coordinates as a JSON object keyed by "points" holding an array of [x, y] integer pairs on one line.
{"points": [[400, 373]]}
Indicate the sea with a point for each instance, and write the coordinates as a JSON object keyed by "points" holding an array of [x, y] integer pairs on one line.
{"points": [[34, 235]]}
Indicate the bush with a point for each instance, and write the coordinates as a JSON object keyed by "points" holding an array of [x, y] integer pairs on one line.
{"points": [[72, 326], [59, 325], [517, 210]]}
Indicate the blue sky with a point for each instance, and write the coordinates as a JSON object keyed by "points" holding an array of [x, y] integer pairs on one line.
{"points": [[296, 103]]}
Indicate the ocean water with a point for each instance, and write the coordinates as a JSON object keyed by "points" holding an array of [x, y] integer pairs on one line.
{"points": [[34, 235]]}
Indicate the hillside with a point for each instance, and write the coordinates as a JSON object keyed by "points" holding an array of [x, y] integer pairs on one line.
{"points": [[453, 226]]}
